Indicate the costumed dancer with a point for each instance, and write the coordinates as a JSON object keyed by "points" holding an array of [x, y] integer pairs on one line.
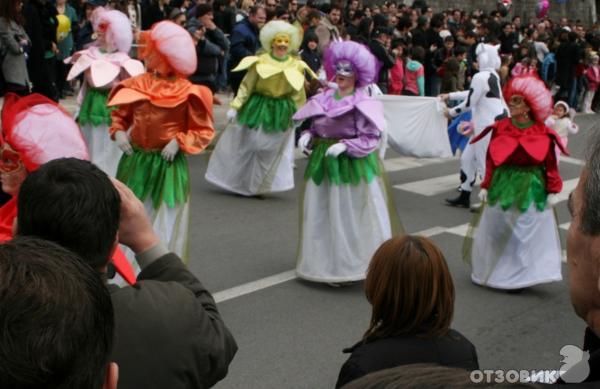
{"points": [[169, 118], [516, 243], [255, 154], [562, 122], [103, 64], [347, 211], [36, 130], [484, 100]]}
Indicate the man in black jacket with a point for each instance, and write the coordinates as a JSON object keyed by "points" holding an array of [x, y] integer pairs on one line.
{"points": [[40, 25], [378, 47], [168, 331]]}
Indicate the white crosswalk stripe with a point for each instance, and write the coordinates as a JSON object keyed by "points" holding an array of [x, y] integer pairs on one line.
{"points": [[431, 186]]}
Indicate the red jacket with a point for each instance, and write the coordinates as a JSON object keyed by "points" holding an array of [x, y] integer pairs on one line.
{"points": [[396, 78]]}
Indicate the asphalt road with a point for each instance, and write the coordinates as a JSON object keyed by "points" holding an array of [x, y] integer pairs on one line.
{"points": [[291, 333]]}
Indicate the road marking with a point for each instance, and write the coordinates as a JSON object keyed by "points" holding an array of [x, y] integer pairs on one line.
{"points": [[404, 163], [568, 187], [573, 161], [431, 186], [254, 286], [565, 226], [460, 230]]}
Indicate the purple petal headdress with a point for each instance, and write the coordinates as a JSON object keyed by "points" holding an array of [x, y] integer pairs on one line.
{"points": [[363, 62]]}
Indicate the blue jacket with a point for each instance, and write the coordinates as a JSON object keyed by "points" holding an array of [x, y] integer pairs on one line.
{"points": [[244, 42]]}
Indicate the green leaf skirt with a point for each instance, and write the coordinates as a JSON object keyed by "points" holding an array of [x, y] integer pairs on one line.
{"points": [[270, 113], [146, 173], [93, 110], [341, 170], [519, 187]]}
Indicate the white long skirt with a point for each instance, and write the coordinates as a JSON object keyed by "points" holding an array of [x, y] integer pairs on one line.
{"points": [[342, 226], [104, 152], [251, 162], [171, 225], [513, 250]]}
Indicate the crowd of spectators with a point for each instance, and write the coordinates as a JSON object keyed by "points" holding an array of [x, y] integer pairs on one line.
{"points": [[421, 50]]}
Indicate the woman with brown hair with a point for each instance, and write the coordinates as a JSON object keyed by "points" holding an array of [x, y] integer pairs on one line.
{"points": [[412, 294]]}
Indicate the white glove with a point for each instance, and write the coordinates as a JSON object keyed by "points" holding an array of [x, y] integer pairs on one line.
{"points": [[304, 141], [231, 114], [122, 140], [552, 200], [170, 150], [483, 193], [335, 150]]}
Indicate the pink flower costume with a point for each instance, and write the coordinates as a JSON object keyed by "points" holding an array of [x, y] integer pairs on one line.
{"points": [[347, 211], [103, 67]]}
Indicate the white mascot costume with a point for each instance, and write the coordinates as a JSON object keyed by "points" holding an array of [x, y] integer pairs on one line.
{"points": [[484, 100]]}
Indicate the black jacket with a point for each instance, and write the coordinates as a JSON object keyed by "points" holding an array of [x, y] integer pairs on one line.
{"points": [[453, 350], [168, 331]]}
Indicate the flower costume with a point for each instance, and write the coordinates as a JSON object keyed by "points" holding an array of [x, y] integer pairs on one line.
{"points": [[103, 66], [347, 211], [169, 117], [36, 130], [516, 243], [255, 153]]}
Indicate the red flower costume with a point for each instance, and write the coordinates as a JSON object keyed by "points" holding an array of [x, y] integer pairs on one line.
{"points": [[516, 242], [36, 130]]}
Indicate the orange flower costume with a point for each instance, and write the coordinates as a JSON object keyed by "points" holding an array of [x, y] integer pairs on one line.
{"points": [[161, 116]]}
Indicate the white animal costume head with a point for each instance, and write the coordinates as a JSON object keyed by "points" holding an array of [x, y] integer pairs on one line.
{"points": [[488, 57]]}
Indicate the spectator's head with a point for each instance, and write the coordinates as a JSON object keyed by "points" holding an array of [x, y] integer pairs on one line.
{"points": [[271, 5], [11, 10], [335, 14], [73, 203], [460, 53], [449, 42], [204, 10], [177, 16], [293, 6], [57, 319], [365, 27], [381, 33], [410, 289], [257, 16], [417, 53], [422, 22], [313, 18], [583, 240], [452, 66], [311, 41]]}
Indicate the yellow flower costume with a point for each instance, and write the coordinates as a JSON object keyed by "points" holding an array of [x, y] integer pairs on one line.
{"points": [[255, 154]]}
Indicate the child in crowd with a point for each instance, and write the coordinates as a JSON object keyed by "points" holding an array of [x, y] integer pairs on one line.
{"points": [[461, 56], [414, 84], [592, 73], [526, 67], [397, 71], [450, 79], [311, 56], [561, 121]]}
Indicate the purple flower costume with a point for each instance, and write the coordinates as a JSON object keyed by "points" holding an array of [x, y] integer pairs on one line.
{"points": [[346, 207]]}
